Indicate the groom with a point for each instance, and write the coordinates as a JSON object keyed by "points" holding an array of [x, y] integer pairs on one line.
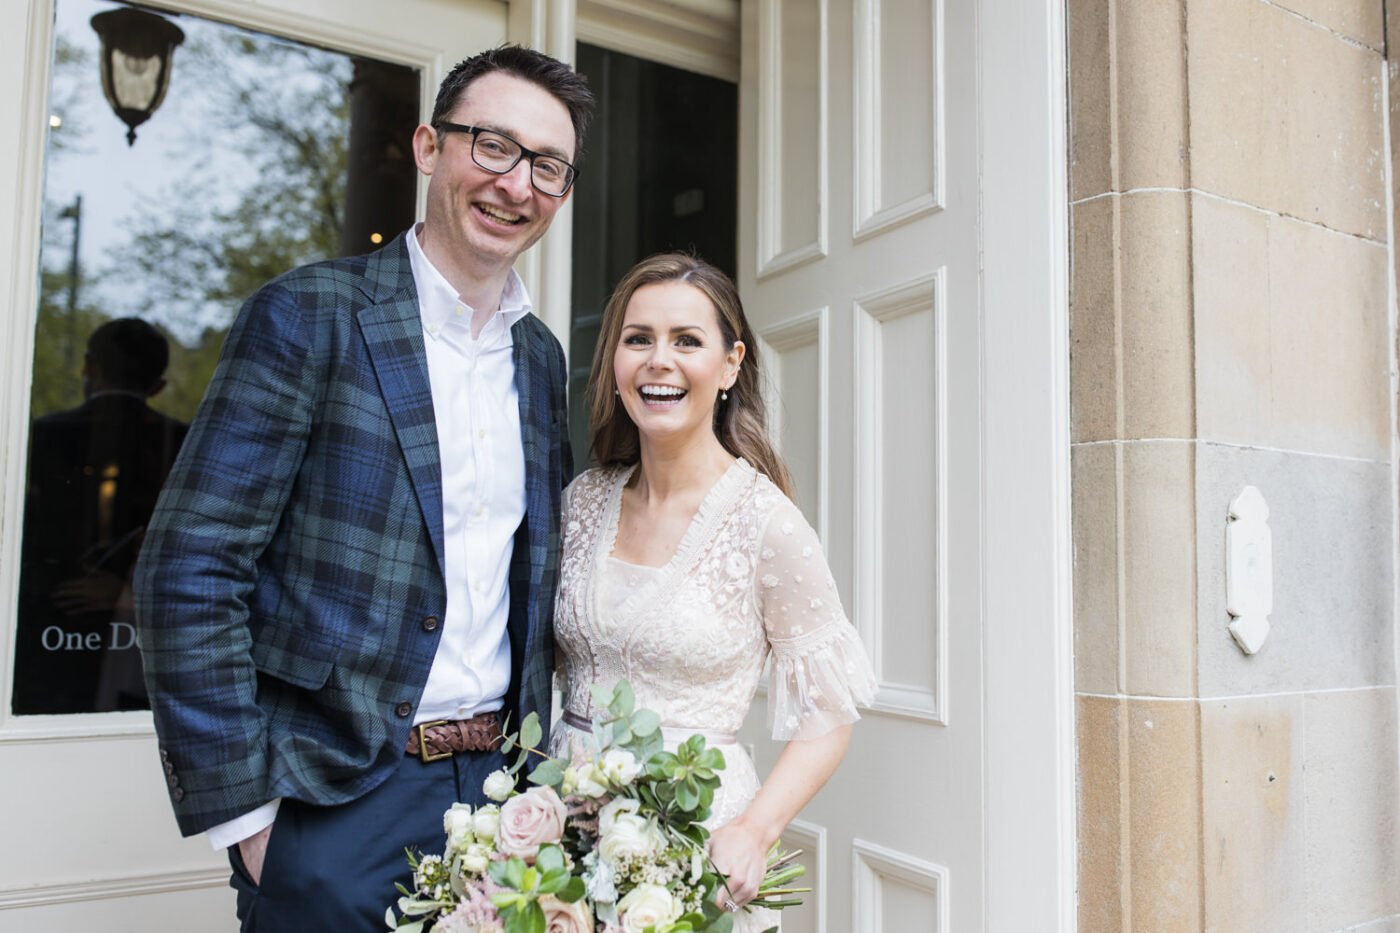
{"points": [[349, 579]]}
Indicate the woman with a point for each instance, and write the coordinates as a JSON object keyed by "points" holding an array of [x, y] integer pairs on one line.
{"points": [[686, 563]]}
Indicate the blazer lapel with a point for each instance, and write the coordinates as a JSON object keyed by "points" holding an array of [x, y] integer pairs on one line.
{"points": [[393, 333], [531, 385]]}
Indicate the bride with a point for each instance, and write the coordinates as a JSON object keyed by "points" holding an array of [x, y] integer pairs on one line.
{"points": [[686, 563]]}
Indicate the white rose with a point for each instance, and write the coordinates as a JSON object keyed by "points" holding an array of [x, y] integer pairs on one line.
{"points": [[589, 781], [647, 905], [620, 766], [486, 821], [612, 808], [476, 859], [630, 835], [457, 823], [498, 785]]}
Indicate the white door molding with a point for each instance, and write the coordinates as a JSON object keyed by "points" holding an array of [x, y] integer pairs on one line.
{"points": [[1030, 750]]}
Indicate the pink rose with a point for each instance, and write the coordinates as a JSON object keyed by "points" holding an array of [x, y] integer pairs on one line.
{"points": [[563, 917], [530, 820]]}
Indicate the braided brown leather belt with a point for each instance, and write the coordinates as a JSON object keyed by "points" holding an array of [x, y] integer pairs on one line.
{"points": [[434, 741]]}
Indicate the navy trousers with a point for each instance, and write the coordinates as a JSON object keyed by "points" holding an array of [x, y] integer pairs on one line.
{"points": [[333, 869]]}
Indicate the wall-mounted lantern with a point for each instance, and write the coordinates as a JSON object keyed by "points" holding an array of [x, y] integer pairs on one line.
{"points": [[137, 50]]}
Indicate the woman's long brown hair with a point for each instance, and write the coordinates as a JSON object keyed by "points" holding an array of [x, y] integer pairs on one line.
{"points": [[740, 423]]}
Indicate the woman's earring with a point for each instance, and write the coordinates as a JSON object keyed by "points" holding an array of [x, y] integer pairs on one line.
{"points": [[615, 392], [724, 396]]}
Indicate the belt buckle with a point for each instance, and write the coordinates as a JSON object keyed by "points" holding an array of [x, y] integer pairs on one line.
{"points": [[423, 742]]}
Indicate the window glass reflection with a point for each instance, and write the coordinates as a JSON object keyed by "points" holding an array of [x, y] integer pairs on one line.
{"points": [[264, 154]]}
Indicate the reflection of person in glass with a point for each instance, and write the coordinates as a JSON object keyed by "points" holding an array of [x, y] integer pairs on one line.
{"points": [[94, 474], [349, 579]]}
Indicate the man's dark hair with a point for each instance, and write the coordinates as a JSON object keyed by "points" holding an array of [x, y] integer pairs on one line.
{"points": [[568, 86], [130, 354]]}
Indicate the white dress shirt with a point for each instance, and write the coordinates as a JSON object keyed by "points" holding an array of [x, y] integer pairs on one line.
{"points": [[477, 409]]}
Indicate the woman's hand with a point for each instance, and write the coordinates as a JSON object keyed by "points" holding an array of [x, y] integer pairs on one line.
{"points": [[740, 852]]}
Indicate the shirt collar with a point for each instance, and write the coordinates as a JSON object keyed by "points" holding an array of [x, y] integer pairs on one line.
{"points": [[438, 301]]}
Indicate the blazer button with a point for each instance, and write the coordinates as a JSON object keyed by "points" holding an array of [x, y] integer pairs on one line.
{"points": [[178, 794], [404, 709], [430, 624], [172, 780], [169, 768]]}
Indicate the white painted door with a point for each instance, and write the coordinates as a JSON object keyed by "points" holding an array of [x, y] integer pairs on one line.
{"points": [[89, 841], [861, 212]]}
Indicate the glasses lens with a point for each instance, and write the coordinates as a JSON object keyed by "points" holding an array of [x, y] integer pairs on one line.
{"points": [[551, 175], [494, 152]]}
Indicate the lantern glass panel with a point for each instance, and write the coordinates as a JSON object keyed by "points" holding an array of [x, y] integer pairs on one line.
{"points": [[136, 81]]}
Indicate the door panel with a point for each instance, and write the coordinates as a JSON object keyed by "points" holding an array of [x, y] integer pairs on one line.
{"points": [[859, 268]]}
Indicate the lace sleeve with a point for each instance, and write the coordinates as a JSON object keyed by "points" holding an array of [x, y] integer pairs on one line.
{"points": [[820, 672]]}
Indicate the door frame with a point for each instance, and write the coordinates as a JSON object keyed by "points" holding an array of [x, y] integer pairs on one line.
{"points": [[1028, 611], [1027, 615]]}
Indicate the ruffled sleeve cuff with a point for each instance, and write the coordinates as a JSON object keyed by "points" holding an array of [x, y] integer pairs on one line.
{"points": [[817, 681]]}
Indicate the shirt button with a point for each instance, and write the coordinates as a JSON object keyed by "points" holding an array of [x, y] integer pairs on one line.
{"points": [[479, 587], [403, 709], [480, 511], [481, 434], [460, 312], [430, 624]]}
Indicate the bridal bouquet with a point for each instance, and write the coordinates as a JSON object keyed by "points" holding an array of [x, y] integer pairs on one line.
{"points": [[608, 842]]}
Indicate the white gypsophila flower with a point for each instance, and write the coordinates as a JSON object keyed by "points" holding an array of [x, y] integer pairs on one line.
{"points": [[620, 766], [647, 906], [498, 785], [476, 859], [486, 820], [430, 871]]}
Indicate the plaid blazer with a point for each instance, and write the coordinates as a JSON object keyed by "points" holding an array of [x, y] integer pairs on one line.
{"points": [[297, 548]]}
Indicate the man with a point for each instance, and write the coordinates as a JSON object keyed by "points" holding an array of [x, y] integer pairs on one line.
{"points": [[355, 553], [94, 474]]}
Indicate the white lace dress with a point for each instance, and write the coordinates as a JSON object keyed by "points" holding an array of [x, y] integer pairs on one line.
{"points": [[692, 637]]}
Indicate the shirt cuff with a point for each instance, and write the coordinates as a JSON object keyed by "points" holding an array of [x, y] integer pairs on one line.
{"points": [[243, 827]]}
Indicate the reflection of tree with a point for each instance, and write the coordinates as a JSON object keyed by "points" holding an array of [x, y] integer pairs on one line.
{"points": [[209, 242]]}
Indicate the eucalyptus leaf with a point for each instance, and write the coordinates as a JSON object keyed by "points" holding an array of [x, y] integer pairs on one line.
{"points": [[547, 773], [623, 700], [602, 696], [644, 722], [530, 731]]}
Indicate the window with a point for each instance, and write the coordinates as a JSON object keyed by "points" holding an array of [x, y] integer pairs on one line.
{"points": [[264, 154]]}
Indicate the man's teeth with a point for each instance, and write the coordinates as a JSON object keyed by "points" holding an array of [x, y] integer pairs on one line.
{"points": [[500, 215]]}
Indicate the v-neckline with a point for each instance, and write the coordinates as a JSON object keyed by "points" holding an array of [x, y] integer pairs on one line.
{"points": [[659, 579]]}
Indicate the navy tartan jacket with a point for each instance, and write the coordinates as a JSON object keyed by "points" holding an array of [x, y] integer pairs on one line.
{"points": [[296, 550]]}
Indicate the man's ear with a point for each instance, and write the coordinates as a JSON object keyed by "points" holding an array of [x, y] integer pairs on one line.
{"points": [[425, 148]]}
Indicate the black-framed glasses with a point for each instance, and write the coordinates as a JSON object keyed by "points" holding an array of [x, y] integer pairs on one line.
{"points": [[498, 153]]}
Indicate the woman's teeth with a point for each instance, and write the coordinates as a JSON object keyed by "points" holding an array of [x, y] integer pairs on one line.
{"points": [[661, 395]]}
